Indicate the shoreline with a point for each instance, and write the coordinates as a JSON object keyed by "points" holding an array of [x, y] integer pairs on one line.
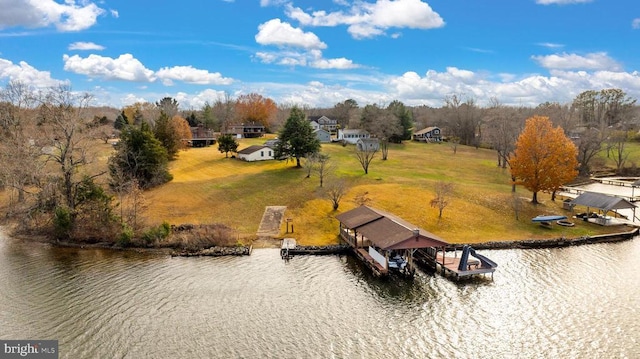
{"points": [[235, 250]]}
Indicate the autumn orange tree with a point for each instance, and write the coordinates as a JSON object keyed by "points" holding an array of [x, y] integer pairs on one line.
{"points": [[255, 108], [544, 158]]}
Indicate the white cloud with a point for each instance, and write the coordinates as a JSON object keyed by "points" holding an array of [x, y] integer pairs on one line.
{"points": [[114, 13], [561, 2], [128, 68], [340, 64], [130, 99], [125, 67], [635, 23], [367, 20], [191, 75], [532, 90], [68, 16], [85, 46], [27, 74], [565, 61], [312, 58], [275, 32], [551, 45]]}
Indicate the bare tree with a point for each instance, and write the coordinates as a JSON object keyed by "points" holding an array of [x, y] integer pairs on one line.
{"points": [[443, 191], [310, 162], [616, 145], [20, 154], [464, 119], [324, 167], [454, 142], [335, 192], [365, 156], [61, 112], [503, 127], [382, 124]]}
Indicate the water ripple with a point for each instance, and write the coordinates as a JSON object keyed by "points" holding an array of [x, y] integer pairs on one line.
{"points": [[569, 302]]}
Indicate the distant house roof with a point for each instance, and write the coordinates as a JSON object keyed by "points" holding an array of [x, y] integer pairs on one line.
{"points": [[601, 201], [251, 149], [321, 119], [425, 130], [388, 231], [354, 131]]}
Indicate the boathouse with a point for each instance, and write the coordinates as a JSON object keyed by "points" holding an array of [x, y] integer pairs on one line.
{"points": [[384, 241]]}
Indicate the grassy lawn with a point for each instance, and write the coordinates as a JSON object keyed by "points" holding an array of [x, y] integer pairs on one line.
{"points": [[209, 188]]}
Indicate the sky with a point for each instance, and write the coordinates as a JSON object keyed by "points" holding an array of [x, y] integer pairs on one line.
{"points": [[319, 53]]}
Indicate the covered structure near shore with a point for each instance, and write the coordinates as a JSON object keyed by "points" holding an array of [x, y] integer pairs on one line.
{"points": [[390, 241], [604, 203]]}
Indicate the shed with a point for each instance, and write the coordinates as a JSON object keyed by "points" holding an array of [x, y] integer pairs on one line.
{"points": [[322, 135], [368, 144]]}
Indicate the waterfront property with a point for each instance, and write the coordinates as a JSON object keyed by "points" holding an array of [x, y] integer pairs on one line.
{"points": [[387, 244], [383, 241]]}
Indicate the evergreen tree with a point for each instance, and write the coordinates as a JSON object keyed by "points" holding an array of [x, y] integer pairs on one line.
{"points": [[227, 143], [296, 139], [405, 117], [139, 156], [121, 121]]}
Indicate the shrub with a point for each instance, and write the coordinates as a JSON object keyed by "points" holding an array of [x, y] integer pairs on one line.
{"points": [[125, 237], [62, 222], [157, 233]]}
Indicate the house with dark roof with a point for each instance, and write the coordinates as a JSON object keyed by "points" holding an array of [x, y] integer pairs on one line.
{"points": [[248, 130], [256, 153], [429, 134]]}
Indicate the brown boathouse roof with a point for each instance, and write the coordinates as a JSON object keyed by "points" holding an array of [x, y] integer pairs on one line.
{"points": [[388, 231]]}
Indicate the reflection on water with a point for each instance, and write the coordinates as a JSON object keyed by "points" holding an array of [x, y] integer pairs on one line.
{"points": [[570, 302]]}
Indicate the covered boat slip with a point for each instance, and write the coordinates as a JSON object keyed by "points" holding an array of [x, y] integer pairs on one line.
{"points": [[605, 204], [387, 244]]}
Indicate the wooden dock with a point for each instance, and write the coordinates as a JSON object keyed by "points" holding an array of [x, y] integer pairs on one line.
{"points": [[288, 244], [450, 265], [377, 269]]}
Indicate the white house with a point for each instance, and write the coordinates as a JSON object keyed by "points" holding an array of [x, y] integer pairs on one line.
{"points": [[256, 153], [352, 136], [324, 123]]}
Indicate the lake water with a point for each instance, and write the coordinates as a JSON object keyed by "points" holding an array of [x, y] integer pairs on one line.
{"points": [[573, 302]]}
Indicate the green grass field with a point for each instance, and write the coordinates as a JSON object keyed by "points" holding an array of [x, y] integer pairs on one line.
{"points": [[209, 188]]}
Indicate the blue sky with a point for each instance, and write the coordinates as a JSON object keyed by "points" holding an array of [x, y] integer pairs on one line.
{"points": [[319, 53]]}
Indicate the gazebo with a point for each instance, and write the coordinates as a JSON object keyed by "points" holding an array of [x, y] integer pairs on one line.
{"points": [[604, 203]]}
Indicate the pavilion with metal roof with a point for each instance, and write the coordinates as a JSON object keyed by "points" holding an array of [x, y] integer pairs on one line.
{"points": [[603, 202]]}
